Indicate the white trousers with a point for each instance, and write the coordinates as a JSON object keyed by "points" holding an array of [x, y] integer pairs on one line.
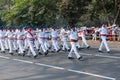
{"points": [[65, 44], [94, 36], [31, 47], [47, 44], [104, 42], [84, 42], [73, 49], [15, 45], [20, 46], [6, 44], [2, 46], [36, 44], [77, 44], [25, 44], [55, 44], [10, 44], [42, 45]]}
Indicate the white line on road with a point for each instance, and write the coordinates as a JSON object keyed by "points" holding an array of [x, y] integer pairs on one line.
{"points": [[40, 64], [4, 57], [108, 56], [76, 71], [98, 55], [91, 74], [60, 68], [23, 61]]}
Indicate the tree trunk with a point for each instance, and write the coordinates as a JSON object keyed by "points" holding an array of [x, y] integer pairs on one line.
{"points": [[105, 11], [116, 17], [116, 12], [8, 5]]}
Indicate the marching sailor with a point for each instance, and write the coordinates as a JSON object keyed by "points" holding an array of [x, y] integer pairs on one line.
{"points": [[103, 35], [30, 41], [2, 38], [73, 40], [64, 39]]}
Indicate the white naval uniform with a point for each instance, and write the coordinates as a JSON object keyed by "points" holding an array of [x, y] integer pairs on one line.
{"points": [[94, 35], [25, 40], [30, 42], [9, 35], [64, 39], [36, 40], [19, 35], [41, 40], [55, 36], [73, 40], [103, 35], [2, 38], [15, 47], [47, 44], [6, 40], [81, 34]]}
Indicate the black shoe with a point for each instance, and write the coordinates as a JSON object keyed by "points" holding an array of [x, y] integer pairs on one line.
{"points": [[70, 57], [19, 54], [46, 53], [24, 51], [40, 53], [23, 54], [7, 49], [80, 58], [100, 51], [68, 50], [16, 51], [38, 49], [88, 47], [52, 52], [58, 50], [49, 47], [79, 48], [3, 52], [11, 53], [35, 56]]}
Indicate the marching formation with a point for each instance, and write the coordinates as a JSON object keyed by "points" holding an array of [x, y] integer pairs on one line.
{"points": [[42, 40]]}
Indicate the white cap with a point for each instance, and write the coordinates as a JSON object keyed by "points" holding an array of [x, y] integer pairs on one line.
{"points": [[113, 25], [93, 27]]}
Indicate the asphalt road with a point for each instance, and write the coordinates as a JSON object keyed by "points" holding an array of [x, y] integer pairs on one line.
{"points": [[56, 66]]}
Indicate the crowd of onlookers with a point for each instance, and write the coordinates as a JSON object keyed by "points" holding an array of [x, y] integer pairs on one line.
{"points": [[113, 33]]}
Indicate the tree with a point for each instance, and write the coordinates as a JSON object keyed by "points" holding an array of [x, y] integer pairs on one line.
{"points": [[60, 11], [108, 9], [72, 10], [32, 11]]}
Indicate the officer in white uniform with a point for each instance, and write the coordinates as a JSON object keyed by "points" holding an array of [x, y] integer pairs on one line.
{"points": [[15, 47], [2, 38], [73, 39], [19, 34], [30, 41], [41, 40], [47, 44], [94, 33], [55, 36], [81, 34], [9, 36], [6, 39], [25, 38], [103, 34], [64, 38], [36, 39]]}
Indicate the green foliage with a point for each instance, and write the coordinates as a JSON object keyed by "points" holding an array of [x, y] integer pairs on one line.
{"points": [[90, 12], [72, 10]]}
